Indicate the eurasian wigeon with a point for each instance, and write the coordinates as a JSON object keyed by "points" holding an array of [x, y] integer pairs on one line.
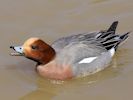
{"points": [[72, 56]]}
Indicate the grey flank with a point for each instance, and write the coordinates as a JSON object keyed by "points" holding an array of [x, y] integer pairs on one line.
{"points": [[72, 49]]}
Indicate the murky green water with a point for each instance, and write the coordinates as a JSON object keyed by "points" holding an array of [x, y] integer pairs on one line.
{"points": [[49, 20]]}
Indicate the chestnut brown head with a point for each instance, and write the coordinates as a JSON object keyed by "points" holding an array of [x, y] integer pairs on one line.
{"points": [[35, 49]]}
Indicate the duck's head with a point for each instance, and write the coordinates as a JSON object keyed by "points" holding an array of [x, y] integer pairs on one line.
{"points": [[35, 49]]}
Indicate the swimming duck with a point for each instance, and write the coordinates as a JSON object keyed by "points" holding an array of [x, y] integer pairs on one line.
{"points": [[72, 56]]}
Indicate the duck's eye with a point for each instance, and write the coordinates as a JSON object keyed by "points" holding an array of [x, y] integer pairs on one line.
{"points": [[34, 47]]}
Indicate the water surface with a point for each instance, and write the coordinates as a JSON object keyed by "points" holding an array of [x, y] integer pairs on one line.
{"points": [[51, 20]]}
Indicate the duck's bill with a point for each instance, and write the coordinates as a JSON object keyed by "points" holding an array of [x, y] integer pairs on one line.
{"points": [[18, 49]]}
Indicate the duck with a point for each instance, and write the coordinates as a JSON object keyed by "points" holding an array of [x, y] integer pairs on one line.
{"points": [[72, 56]]}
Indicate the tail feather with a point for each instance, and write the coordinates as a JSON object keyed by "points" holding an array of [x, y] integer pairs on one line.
{"points": [[110, 46], [111, 31], [113, 27], [109, 39], [122, 38]]}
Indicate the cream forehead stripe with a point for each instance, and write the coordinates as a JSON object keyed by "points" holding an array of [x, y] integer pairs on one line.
{"points": [[31, 41]]}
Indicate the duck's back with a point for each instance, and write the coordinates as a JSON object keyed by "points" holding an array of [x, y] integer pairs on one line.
{"points": [[76, 51], [64, 41]]}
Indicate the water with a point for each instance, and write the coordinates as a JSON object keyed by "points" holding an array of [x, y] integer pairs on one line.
{"points": [[50, 20]]}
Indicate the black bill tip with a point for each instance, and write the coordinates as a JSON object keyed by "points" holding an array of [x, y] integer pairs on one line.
{"points": [[11, 47]]}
